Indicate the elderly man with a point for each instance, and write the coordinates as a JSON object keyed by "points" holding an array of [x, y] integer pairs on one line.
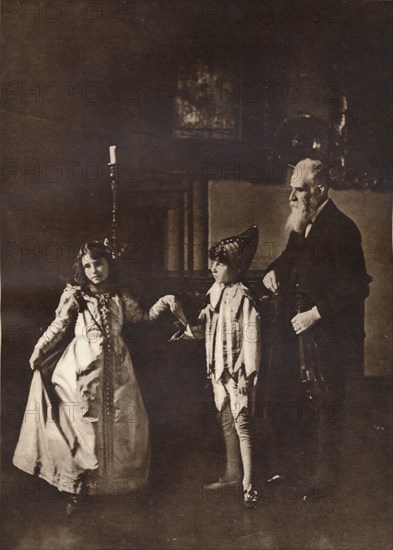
{"points": [[321, 283]]}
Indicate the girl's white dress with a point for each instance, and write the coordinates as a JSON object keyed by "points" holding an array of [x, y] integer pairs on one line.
{"points": [[97, 433]]}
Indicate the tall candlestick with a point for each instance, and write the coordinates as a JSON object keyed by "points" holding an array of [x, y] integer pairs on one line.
{"points": [[114, 188], [116, 248], [112, 154]]}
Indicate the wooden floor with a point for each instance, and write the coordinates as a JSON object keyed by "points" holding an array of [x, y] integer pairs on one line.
{"points": [[176, 513]]}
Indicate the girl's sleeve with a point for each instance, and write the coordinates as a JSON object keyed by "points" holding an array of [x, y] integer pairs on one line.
{"points": [[250, 355], [66, 314], [134, 313]]}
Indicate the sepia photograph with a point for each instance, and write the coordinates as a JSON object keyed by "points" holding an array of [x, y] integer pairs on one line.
{"points": [[196, 275]]}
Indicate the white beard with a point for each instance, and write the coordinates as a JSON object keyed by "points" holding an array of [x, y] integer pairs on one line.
{"points": [[300, 216], [297, 220]]}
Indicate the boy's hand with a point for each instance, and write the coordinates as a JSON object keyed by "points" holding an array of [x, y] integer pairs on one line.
{"points": [[243, 389], [245, 384]]}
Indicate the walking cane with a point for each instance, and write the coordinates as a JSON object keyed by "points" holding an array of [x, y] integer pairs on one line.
{"points": [[268, 408], [272, 334]]}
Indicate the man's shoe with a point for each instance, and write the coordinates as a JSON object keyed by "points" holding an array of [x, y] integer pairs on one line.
{"points": [[220, 484], [277, 479]]}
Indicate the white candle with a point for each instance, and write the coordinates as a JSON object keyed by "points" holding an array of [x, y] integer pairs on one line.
{"points": [[112, 154]]}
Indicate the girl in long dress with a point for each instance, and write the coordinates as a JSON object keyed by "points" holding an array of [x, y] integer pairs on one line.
{"points": [[95, 433]]}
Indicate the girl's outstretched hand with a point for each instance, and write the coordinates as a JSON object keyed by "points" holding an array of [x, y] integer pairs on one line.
{"points": [[177, 310], [35, 359]]}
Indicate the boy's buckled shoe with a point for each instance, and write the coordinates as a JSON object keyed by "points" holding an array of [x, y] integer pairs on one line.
{"points": [[250, 496]]}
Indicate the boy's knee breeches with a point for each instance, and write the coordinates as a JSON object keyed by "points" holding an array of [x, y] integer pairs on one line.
{"points": [[226, 395]]}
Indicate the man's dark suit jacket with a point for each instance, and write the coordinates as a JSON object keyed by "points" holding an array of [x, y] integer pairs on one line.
{"points": [[327, 269]]}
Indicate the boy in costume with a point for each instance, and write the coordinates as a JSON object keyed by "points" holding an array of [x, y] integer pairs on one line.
{"points": [[233, 351]]}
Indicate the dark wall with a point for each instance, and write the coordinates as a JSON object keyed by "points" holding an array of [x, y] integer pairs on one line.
{"points": [[77, 81]]}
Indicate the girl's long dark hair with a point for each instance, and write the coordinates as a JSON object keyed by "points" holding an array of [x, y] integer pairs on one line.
{"points": [[96, 250]]}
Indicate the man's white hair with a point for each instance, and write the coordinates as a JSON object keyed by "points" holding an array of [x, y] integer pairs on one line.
{"points": [[315, 169]]}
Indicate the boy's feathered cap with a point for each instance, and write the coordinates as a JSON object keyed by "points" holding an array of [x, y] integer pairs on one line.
{"points": [[239, 250]]}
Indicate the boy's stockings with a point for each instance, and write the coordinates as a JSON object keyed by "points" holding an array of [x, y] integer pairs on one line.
{"points": [[238, 446]]}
